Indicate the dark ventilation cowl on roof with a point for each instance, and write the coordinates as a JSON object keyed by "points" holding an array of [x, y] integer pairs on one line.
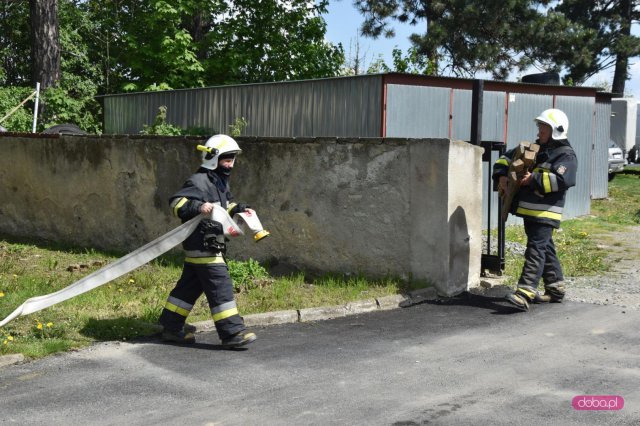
{"points": [[542, 78]]}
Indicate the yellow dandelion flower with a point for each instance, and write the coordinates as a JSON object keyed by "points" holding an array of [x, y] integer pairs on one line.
{"points": [[49, 324], [1, 294], [131, 281], [10, 338], [39, 326], [5, 342], [15, 275], [120, 290]]}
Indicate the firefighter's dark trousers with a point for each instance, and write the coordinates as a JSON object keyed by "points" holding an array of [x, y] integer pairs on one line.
{"points": [[214, 281], [540, 259]]}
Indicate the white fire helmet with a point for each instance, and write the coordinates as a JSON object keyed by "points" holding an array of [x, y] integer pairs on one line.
{"points": [[557, 120], [218, 145]]}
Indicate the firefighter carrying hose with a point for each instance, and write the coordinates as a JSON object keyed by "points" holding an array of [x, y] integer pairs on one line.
{"points": [[205, 270], [540, 202]]}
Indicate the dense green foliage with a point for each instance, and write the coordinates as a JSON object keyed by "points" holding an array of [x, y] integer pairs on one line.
{"points": [[411, 63], [22, 119], [135, 45]]}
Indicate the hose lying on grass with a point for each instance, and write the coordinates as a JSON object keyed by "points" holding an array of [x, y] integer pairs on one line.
{"points": [[139, 257]]}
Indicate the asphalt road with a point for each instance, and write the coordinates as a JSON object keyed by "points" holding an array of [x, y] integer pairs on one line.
{"points": [[467, 361]]}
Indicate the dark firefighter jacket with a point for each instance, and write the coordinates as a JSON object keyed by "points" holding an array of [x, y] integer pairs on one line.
{"points": [[554, 172], [203, 186]]}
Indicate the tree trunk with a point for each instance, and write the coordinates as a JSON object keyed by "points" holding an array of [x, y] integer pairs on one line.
{"points": [[45, 42], [621, 74]]}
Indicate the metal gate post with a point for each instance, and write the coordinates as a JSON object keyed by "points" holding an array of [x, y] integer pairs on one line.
{"points": [[489, 262]]}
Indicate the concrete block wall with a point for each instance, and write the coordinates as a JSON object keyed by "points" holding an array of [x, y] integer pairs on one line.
{"points": [[408, 208]]}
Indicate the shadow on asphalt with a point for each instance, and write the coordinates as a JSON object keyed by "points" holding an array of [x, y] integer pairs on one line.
{"points": [[157, 339], [497, 304], [202, 346], [135, 331]]}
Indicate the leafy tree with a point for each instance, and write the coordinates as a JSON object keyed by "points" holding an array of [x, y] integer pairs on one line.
{"points": [[22, 119], [15, 43], [73, 100], [411, 63], [355, 59], [69, 78], [499, 36], [45, 42], [462, 37], [600, 38], [378, 65], [138, 44], [270, 40], [109, 46], [190, 43]]}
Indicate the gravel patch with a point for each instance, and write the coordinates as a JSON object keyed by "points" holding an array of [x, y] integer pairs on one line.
{"points": [[620, 286]]}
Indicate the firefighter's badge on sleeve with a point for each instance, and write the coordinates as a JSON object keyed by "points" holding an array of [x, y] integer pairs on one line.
{"points": [[561, 169]]}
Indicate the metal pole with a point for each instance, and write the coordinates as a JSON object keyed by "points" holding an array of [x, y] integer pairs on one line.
{"points": [[35, 108], [476, 112]]}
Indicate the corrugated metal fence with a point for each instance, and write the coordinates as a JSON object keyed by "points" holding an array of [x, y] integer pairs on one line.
{"points": [[387, 105], [344, 107]]}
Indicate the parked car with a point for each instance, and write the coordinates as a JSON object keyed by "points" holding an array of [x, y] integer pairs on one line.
{"points": [[616, 159]]}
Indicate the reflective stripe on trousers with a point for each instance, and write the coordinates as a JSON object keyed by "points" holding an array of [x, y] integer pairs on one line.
{"points": [[224, 311], [214, 281], [178, 306]]}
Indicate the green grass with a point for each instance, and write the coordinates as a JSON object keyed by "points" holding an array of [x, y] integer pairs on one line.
{"points": [[128, 308]]}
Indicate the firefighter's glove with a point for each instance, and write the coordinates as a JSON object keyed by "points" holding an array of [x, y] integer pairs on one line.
{"points": [[239, 208]]}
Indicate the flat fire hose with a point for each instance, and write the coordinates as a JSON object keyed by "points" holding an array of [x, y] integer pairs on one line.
{"points": [[110, 272], [139, 257]]}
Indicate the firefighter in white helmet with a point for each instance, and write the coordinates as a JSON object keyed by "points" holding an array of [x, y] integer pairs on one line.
{"points": [[205, 270], [540, 202]]}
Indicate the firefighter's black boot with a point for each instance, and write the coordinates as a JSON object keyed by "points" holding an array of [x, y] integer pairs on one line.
{"points": [[521, 298], [553, 293], [181, 336], [240, 339]]}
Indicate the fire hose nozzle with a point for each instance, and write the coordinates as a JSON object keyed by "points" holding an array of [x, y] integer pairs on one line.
{"points": [[260, 235]]}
